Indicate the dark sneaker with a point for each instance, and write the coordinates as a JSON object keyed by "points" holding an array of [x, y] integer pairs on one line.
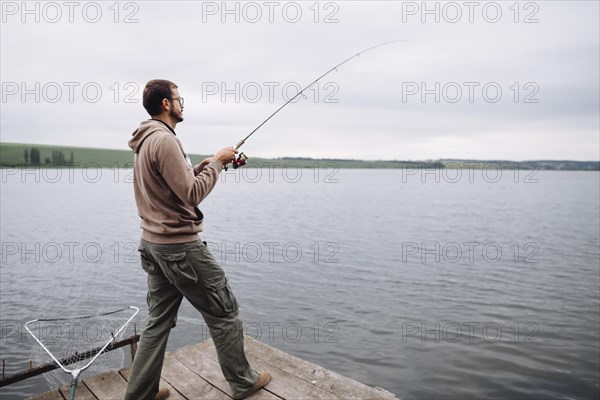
{"points": [[263, 380], [162, 394]]}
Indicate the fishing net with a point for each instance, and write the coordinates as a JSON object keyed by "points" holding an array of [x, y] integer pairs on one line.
{"points": [[81, 343]]}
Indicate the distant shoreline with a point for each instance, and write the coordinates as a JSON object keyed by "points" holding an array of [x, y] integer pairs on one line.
{"points": [[20, 155]]}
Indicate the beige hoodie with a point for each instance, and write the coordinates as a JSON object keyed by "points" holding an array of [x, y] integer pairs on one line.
{"points": [[167, 189]]}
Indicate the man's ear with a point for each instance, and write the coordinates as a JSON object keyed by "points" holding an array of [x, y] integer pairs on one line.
{"points": [[165, 104]]}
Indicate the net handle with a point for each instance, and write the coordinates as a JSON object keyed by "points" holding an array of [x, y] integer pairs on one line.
{"points": [[85, 316], [70, 371]]}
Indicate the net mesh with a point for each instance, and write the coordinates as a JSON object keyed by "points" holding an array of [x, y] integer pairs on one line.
{"points": [[75, 341]]}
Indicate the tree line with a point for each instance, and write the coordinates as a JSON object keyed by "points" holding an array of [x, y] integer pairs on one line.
{"points": [[32, 156]]}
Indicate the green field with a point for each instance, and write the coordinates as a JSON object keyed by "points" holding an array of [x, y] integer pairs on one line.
{"points": [[13, 155]]}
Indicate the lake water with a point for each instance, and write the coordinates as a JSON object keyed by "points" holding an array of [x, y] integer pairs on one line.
{"points": [[428, 284]]}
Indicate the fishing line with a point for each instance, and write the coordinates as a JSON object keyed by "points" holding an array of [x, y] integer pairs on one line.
{"points": [[241, 158]]}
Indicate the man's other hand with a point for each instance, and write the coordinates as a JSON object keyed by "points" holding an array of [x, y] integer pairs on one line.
{"points": [[199, 167], [204, 163]]}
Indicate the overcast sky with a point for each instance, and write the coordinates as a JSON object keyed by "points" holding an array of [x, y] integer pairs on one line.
{"points": [[480, 80]]}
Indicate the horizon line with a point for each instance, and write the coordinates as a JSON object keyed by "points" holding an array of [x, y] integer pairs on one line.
{"points": [[322, 158]]}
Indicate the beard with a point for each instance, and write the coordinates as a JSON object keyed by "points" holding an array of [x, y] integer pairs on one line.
{"points": [[176, 115]]}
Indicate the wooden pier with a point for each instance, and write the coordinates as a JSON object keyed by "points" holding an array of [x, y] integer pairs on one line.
{"points": [[193, 372]]}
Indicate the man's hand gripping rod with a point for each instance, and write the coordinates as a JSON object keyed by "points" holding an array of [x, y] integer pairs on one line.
{"points": [[240, 160]]}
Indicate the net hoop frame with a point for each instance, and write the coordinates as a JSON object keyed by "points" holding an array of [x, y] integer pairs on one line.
{"points": [[75, 372]]}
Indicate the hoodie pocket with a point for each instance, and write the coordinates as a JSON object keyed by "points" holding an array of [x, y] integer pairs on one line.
{"points": [[177, 268]]}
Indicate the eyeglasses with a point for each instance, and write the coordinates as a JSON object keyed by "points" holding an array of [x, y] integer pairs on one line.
{"points": [[178, 98]]}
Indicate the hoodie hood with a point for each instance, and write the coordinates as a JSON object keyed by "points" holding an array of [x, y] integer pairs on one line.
{"points": [[146, 129]]}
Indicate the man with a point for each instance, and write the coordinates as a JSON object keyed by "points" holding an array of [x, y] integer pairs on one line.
{"points": [[167, 191]]}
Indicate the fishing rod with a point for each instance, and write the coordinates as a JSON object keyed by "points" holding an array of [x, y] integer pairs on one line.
{"points": [[240, 160]]}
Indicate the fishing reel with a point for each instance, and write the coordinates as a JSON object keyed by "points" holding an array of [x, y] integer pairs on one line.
{"points": [[239, 161]]}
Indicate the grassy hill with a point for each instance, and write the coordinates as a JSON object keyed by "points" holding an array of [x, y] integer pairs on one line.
{"points": [[14, 154]]}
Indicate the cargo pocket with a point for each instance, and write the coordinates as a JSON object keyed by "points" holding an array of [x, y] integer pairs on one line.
{"points": [[177, 268], [146, 264], [221, 300]]}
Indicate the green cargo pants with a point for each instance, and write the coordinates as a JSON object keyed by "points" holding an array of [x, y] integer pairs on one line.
{"points": [[187, 270]]}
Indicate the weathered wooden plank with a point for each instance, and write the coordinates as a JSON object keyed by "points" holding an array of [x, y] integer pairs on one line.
{"points": [[202, 345], [289, 386], [53, 395], [202, 364], [175, 395], [283, 384], [124, 372], [319, 376], [189, 384], [82, 392], [108, 385]]}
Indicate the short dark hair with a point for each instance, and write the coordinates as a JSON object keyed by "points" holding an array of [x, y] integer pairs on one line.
{"points": [[155, 91]]}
